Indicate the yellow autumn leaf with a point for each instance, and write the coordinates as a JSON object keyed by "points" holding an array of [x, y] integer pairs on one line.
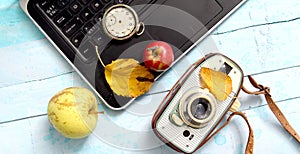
{"points": [[126, 77], [218, 83]]}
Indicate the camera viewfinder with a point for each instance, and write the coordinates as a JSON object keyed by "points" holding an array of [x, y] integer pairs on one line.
{"points": [[225, 68]]}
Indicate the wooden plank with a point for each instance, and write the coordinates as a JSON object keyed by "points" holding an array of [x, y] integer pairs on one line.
{"points": [[36, 135], [16, 137], [32, 98], [266, 34], [30, 61], [283, 85], [16, 28], [261, 12], [262, 48]]}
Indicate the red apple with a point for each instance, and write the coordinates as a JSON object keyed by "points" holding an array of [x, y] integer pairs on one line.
{"points": [[158, 56]]}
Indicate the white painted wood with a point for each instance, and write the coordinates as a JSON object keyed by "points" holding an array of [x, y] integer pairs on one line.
{"points": [[38, 136], [262, 36], [30, 61], [261, 12], [32, 98]]}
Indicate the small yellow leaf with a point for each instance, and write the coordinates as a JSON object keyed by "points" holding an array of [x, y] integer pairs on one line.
{"points": [[126, 77], [218, 83]]}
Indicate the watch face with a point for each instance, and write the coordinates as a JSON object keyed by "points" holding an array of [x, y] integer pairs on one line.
{"points": [[120, 21]]}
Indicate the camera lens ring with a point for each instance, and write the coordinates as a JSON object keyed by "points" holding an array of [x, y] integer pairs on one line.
{"points": [[186, 103], [211, 106]]}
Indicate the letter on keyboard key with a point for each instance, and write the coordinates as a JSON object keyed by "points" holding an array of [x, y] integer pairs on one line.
{"points": [[87, 27], [75, 7], [72, 26], [77, 39], [86, 14], [98, 17], [96, 5], [100, 39], [87, 51], [51, 10], [62, 3], [93, 29], [62, 18], [43, 3]]}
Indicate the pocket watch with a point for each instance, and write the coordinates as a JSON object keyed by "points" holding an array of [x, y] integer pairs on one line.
{"points": [[120, 22]]}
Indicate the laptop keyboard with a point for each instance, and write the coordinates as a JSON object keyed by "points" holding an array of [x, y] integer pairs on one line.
{"points": [[78, 21]]}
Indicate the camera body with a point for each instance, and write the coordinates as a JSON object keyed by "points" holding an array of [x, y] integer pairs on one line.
{"points": [[190, 113]]}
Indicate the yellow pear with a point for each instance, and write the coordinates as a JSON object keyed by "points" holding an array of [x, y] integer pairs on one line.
{"points": [[73, 112]]}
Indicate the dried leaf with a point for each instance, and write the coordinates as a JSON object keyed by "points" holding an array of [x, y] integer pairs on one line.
{"points": [[218, 83], [128, 78]]}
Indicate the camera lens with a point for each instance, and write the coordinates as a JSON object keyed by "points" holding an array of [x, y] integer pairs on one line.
{"points": [[200, 108], [197, 107]]}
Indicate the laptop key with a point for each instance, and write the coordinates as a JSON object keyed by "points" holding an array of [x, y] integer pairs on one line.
{"points": [[86, 14], [62, 18], [51, 10], [99, 39], [72, 26], [93, 29], [96, 5], [87, 51], [43, 3], [77, 39], [98, 17], [75, 7], [62, 3], [87, 27]]}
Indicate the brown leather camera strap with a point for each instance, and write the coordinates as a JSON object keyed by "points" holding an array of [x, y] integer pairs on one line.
{"points": [[279, 115], [250, 143]]}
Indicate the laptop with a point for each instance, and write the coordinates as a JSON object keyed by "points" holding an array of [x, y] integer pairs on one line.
{"points": [[75, 28]]}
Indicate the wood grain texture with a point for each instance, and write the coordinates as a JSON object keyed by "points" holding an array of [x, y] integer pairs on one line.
{"points": [[262, 36], [36, 135]]}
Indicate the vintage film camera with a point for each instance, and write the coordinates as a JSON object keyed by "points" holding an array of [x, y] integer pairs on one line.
{"points": [[190, 113]]}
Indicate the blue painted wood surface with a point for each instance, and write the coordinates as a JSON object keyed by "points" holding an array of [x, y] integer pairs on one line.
{"points": [[262, 36]]}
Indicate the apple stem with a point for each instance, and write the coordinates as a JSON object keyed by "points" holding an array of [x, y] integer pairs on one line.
{"points": [[143, 79], [101, 112], [99, 56]]}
